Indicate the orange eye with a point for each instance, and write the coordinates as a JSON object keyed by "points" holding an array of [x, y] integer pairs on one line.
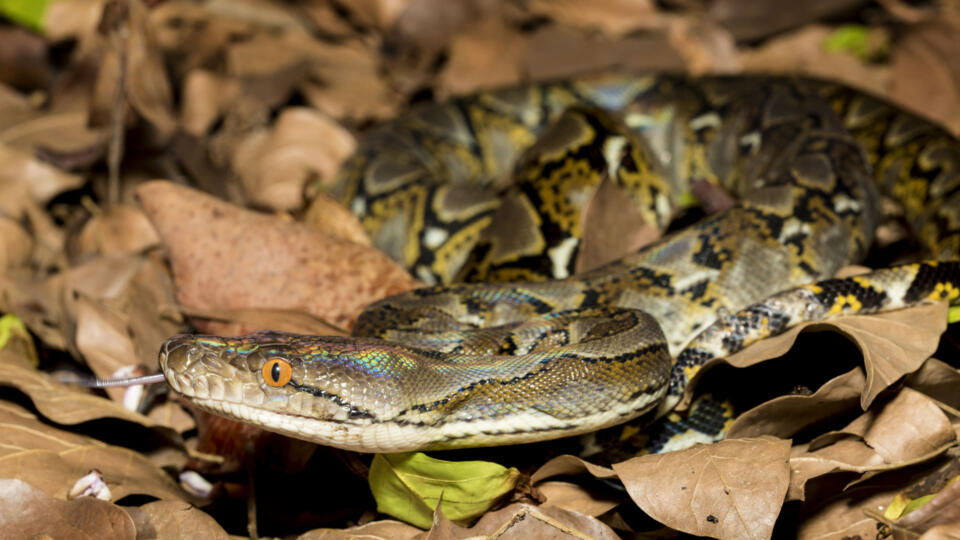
{"points": [[276, 372]]}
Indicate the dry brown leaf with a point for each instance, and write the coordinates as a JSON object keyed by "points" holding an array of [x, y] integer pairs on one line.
{"points": [[938, 381], [206, 96], [613, 17], [908, 427], [27, 512], [249, 320], [174, 519], [570, 496], [752, 19], [485, 56], [844, 517], [227, 257], [25, 179], [62, 403], [62, 132], [345, 83], [802, 52], [328, 215], [104, 341], [303, 144], [524, 521], [786, 415], [730, 489], [75, 19], [611, 209], [119, 228], [893, 344], [375, 530], [53, 460], [943, 532], [570, 465], [556, 51], [15, 244], [926, 72]]}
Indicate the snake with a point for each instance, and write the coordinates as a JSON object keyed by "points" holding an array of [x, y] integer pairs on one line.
{"points": [[490, 187]]}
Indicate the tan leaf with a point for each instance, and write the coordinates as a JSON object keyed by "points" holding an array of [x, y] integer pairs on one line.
{"points": [[844, 517], [53, 460], [730, 489], [206, 96], [375, 530], [926, 73], [15, 244], [802, 52], [570, 496], [275, 165], [525, 521], [613, 17], [893, 344], [485, 56], [611, 209], [249, 320], [938, 381], [27, 512], [104, 341], [328, 215], [909, 426], [175, 519], [62, 403], [119, 228], [227, 257], [751, 19], [786, 415], [350, 85], [570, 465]]}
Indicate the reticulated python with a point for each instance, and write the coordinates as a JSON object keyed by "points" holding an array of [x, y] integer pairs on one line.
{"points": [[499, 363]]}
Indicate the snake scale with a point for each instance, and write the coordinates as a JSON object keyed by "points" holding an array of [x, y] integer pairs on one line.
{"points": [[491, 187]]}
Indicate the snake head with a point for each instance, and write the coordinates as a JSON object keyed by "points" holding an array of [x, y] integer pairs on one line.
{"points": [[309, 387]]}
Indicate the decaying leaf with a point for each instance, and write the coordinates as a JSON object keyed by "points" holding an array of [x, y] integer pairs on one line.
{"points": [[730, 489], [611, 209]]}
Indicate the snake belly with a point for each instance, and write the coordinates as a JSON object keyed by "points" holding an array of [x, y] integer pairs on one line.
{"points": [[475, 364]]}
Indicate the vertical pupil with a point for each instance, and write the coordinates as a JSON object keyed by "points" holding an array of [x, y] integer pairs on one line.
{"points": [[275, 372]]}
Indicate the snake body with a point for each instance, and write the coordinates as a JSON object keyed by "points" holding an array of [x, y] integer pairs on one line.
{"points": [[499, 363]]}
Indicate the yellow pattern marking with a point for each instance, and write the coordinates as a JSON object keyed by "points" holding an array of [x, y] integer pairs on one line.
{"points": [[841, 304], [945, 291]]}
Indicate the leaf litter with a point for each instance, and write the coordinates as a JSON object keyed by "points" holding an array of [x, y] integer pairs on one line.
{"points": [[113, 108]]}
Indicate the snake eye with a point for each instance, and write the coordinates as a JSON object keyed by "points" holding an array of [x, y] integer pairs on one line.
{"points": [[276, 372]]}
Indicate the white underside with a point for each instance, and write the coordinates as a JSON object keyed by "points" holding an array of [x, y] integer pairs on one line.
{"points": [[389, 437]]}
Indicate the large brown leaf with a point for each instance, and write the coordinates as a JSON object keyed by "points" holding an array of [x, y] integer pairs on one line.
{"points": [[27, 512], [730, 489]]}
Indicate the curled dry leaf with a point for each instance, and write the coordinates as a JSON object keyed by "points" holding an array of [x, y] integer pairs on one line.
{"points": [[227, 257], [570, 465], [786, 415], [938, 381], [27, 512], [730, 489], [908, 429], [893, 344], [274, 165], [175, 519], [52, 460], [345, 83]]}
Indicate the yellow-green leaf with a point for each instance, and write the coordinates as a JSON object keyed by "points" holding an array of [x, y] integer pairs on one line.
{"points": [[953, 315], [12, 328], [29, 13], [408, 486]]}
